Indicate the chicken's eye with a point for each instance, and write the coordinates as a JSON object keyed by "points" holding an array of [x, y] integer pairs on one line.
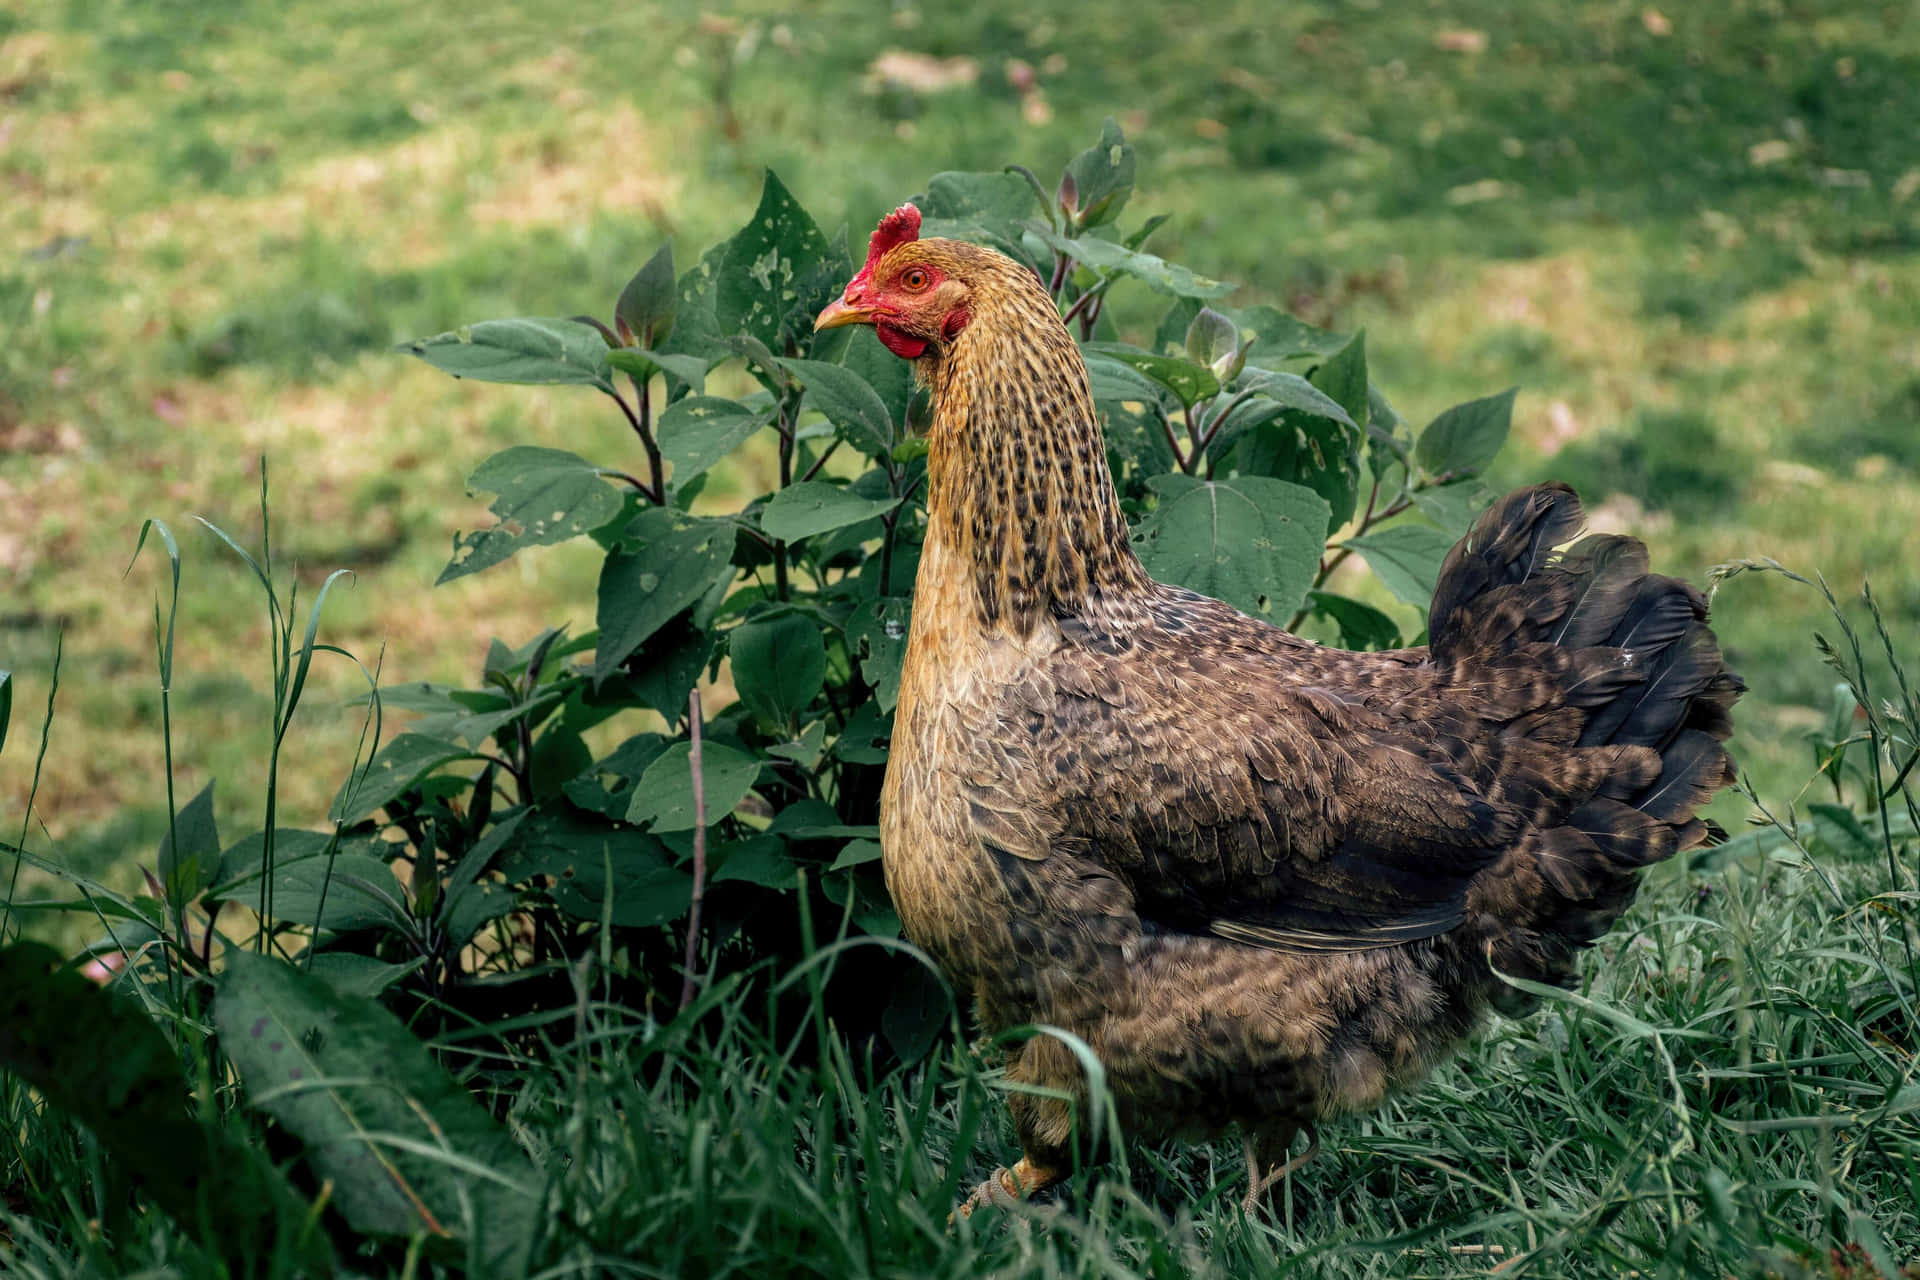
{"points": [[915, 278]]}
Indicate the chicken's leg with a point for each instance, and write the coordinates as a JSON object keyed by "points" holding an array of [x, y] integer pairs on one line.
{"points": [[1008, 1187], [1262, 1151]]}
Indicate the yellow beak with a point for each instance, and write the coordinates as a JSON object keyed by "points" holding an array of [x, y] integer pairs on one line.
{"points": [[838, 312]]}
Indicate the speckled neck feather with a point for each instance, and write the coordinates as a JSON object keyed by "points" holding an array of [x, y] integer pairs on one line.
{"points": [[1017, 469]]}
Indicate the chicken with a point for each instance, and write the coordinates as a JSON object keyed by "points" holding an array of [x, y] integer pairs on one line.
{"points": [[1265, 881]]}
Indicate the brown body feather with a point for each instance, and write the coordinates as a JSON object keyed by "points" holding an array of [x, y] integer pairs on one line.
{"points": [[1266, 881]]}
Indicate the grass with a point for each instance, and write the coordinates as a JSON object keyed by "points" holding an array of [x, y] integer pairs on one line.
{"points": [[1688, 236], [1730, 1094]]}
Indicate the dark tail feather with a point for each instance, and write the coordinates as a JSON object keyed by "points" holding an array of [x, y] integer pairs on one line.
{"points": [[1645, 672]]}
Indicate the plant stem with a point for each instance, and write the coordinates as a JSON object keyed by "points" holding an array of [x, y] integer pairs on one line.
{"points": [[642, 424], [1173, 441], [789, 411], [689, 983], [820, 461]]}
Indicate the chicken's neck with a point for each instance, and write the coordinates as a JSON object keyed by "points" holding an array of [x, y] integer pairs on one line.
{"points": [[1018, 487]]}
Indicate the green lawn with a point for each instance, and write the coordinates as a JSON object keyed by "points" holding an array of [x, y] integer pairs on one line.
{"points": [[1691, 236]]}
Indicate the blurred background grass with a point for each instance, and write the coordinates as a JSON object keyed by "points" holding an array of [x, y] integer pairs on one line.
{"points": [[1688, 234]]}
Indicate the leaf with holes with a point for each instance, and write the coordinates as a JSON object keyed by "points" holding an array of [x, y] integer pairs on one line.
{"points": [[698, 431], [678, 559], [1101, 178], [542, 496], [1406, 558], [1272, 335], [983, 207], [526, 350], [404, 1145], [877, 639], [1318, 452], [770, 267], [1187, 380], [1250, 541], [1155, 272]]}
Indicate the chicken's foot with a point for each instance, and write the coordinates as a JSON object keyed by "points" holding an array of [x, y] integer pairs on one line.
{"points": [[1008, 1187], [1260, 1153]]}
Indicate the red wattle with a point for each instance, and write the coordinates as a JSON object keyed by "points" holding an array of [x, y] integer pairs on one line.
{"points": [[904, 345]]}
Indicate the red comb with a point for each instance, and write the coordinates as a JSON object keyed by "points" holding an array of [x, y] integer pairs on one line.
{"points": [[897, 228]]}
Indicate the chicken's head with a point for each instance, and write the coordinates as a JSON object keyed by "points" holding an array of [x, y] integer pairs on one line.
{"points": [[911, 291]]}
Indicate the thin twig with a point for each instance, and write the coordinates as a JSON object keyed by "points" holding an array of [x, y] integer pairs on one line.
{"points": [[689, 983], [645, 431], [820, 462], [1173, 441]]}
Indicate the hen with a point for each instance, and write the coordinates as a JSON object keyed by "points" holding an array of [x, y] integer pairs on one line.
{"points": [[1267, 882]]}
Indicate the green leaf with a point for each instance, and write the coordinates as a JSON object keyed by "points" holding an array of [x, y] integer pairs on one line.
{"points": [[856, 852], [1453, 506], [889, 377], [1102, 178], [1344, 378], [651, 299], [1361, 625], [1466, 437], [848, 402], [526, 350], [779, 665], [919, 1005], [401, 763], [679, 559], [1295, 392], [601, 872], [1114, 381], [770, 272], [807, 507], [1213, 340], [1250, 541], [877, 639], [804, 750], [698, 431], [641, 363], [243, 859], [1188, 381], [347, 891], [1272, 335], [356, 976], [760, 860], [544, 496], [1307, 449], [664, 795], [668, 665], [100, 1059], [405, 1147], [695, 330], [1105, 255], [1406, 558], [997, 202], [190, 851]]}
